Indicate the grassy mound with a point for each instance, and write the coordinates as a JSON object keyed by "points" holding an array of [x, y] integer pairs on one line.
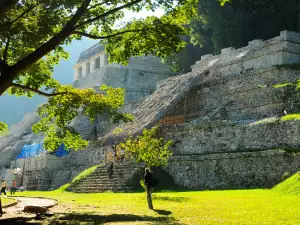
{"points": [[79, 177], [290, 185], [291, 117]]}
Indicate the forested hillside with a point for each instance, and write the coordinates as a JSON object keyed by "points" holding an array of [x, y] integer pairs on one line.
{"points": [[234, 25]]}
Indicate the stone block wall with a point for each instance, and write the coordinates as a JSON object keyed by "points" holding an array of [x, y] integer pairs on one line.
{"points": [[259, 54], [249, 96], [233, 170], [226, 137], [220, 155], [231, 134], [243, 80]]}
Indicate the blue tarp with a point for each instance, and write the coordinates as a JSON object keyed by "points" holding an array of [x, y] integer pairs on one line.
{"points": [[61, 151], [29, 151]]}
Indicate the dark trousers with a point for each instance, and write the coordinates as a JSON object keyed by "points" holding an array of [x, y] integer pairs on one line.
{"points": [[3, 190], [12, 190]]}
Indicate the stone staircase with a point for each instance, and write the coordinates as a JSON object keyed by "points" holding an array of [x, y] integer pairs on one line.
{"points": [[99, 181]]}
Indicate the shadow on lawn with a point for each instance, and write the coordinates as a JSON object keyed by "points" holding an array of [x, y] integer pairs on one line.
{"points": [[79, 218], [162, 212], [19, 221], [171, 199]]}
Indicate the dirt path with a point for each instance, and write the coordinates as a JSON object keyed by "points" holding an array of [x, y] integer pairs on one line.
{"points": [[17, 210]]}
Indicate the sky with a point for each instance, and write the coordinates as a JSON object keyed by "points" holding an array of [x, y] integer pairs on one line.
{"points": [[13, 109]]}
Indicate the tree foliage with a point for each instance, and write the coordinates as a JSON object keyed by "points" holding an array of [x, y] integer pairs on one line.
{"points": [[222, 24], [32, 33], [148, 148], [60, 110], [3, 128], [239, 21], [182, 61]]}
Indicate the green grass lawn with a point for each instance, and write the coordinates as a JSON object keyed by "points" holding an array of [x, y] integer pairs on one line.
{"points": [[207, 207], [7, 201], [280, 205]]}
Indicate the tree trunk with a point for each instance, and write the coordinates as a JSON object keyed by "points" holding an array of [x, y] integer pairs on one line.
{"points": [[149, 198], [5, 77]]}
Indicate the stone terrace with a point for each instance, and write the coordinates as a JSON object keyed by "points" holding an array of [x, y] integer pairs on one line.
{"points": [[99, 181], [230, 72], [225, 117]]}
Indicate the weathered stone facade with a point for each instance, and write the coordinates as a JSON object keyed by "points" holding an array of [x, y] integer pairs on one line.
{"points": [[244, 143], [221, 154], [138, 78], [224, 117], [233, 170]]}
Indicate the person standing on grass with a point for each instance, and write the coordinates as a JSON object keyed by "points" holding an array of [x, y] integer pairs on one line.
{"points": [[3, 187], [13, 187], [148, 179]]}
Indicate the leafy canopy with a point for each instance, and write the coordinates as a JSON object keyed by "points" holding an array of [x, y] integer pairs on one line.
{"points": [[3, 128], [60, 110], [147, 148], [32, 33]]}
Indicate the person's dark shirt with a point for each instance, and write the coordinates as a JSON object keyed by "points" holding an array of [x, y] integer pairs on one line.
{"points": [[148, 179]]}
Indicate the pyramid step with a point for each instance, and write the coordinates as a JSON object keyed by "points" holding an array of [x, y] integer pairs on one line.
{"points": [[102, 182], [92, 179], [101, 185], [101, 190], [99, 181]]}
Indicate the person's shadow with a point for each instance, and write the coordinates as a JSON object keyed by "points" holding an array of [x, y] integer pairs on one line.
{"points": [[162, 212]]}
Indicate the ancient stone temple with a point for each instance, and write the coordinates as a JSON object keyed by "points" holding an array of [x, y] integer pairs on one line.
{"points": [[225, 117], [138, 78], [92, 70]]}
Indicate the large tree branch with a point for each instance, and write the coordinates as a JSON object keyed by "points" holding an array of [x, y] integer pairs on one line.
{"points": [[6, 5], [108, 13], [37, 91], [105, 37], [7, 79], [53, 42]]}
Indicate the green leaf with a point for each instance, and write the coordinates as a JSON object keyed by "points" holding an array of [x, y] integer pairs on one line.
{"points": [[60, 111], [147, 148], [3, 128]]}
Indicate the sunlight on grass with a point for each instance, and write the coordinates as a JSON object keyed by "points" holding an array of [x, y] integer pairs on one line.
{"points": [[7, 201], [79, 177], [290, 185], [281, 85], [291, 117], [265, 121], [259, 206]]}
